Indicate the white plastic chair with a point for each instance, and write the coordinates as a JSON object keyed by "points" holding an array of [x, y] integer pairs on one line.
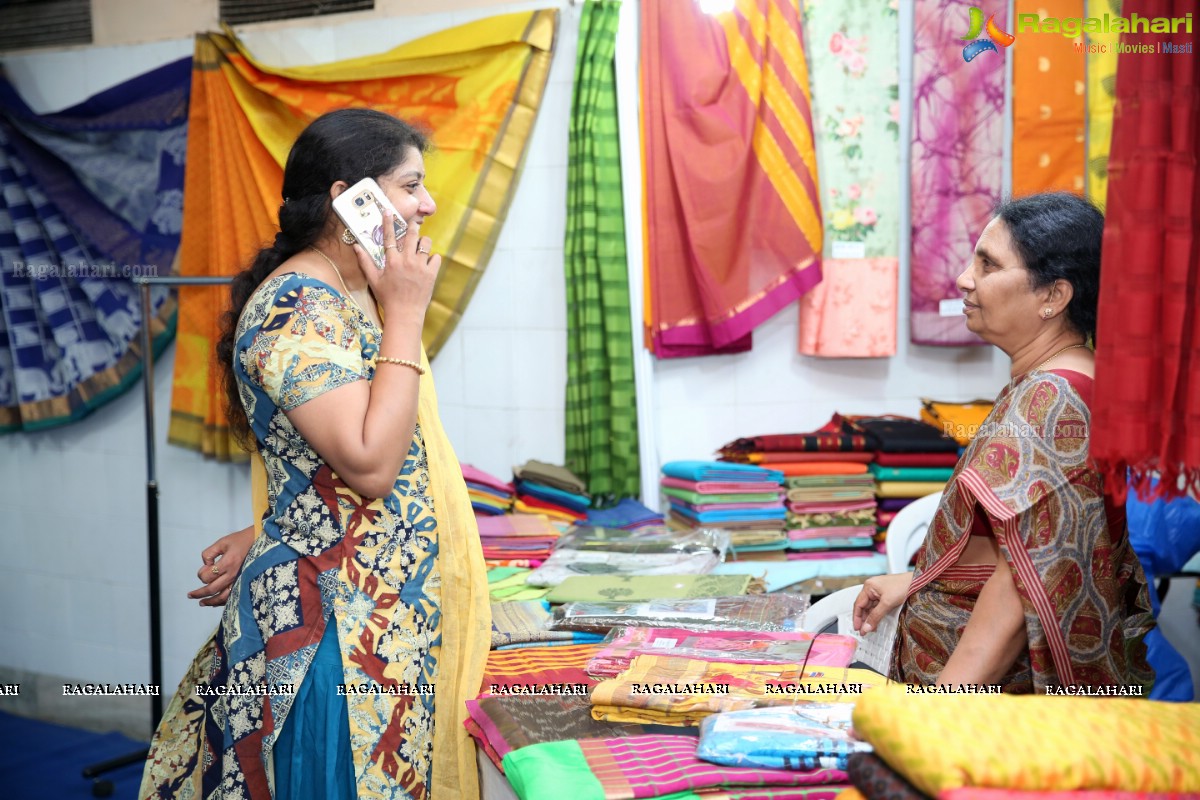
{"points": [[907, 531], [837, 611]]}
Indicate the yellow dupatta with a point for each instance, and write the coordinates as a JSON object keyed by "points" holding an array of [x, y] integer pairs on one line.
{"points": [[466, 612]]}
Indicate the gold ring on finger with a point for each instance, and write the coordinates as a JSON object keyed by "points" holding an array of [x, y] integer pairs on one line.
{"points": [[216, 570]]}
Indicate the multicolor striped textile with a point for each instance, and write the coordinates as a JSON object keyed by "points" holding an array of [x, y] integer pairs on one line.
{"points": [[601, 406], [476, 87], [642, 767], [539, 665], [732, 213]]}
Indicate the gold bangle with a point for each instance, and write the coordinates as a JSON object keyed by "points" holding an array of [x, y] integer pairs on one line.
{"points": [[402, 362]]}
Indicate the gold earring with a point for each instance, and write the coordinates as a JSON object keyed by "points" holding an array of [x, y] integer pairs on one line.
{"points": [[348, 236], [1049, 312]]}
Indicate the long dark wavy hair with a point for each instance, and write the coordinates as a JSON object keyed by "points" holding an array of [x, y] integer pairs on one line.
{"points": [[345, 145]]}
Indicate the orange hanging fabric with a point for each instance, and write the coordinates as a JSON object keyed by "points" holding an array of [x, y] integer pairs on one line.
{"points": [[1049, 105]]}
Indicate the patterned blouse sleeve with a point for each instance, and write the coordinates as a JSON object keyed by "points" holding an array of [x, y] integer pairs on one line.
{"points": [[308, 344]]}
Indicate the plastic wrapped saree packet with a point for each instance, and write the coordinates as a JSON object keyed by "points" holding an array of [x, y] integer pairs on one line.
{"points": [[775, 738], [655, 550], [647, 540], [731, 646], [767, 612]]}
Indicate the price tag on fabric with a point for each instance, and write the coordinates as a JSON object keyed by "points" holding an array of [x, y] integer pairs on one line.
{"points": [[848, 250], [951, 308]]}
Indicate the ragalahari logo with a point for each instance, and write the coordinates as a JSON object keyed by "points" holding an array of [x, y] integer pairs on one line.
{"points": [[995, 35]]}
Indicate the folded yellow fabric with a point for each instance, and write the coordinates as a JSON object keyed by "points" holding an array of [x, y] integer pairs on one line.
{"points": [[670, 690], [908, 488], [1033, 742]]}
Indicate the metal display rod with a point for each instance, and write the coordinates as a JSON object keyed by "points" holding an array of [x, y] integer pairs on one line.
{"points": [[103, 788]]}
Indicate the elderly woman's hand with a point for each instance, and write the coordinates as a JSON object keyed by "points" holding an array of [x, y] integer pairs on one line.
{"points": [[222, 562], [879, 597]]}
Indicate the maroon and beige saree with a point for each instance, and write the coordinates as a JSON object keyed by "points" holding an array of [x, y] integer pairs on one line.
{"points": [[1087, 606]]}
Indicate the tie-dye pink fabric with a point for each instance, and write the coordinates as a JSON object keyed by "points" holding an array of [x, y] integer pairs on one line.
{"points": [[957, 161]]}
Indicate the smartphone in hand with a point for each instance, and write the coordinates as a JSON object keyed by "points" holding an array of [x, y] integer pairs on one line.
{"points": [[360, 208]]}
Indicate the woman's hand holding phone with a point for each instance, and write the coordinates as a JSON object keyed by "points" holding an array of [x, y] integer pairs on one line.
{"points": [[405, 285]]}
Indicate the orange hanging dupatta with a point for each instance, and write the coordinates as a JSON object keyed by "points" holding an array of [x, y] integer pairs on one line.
{"points": [[1049, 105], [476, 87]]}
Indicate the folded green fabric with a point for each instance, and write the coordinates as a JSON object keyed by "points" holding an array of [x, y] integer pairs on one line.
{"points": [[697, 499], [640, 588], [911, 473]]}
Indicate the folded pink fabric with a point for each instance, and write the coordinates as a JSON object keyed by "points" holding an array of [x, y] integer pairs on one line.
{"points": [[476, 475], [721, 487], [517, 525], [831, 533]]}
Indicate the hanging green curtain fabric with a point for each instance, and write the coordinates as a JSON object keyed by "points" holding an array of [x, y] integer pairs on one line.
{"points": [[601, 407]]}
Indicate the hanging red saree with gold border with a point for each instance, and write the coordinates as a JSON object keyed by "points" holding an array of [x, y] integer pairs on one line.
{"points": [[1087, 606]]}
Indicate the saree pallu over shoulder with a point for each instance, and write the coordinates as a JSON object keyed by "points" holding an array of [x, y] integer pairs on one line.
{"points": [[1086, 601]]}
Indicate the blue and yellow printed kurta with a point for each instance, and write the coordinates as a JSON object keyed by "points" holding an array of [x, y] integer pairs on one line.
{"points": [[327, 556]]}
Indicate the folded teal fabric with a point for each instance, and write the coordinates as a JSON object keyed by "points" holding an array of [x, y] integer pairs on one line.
{"points": [[911, 473], [719, 471]]}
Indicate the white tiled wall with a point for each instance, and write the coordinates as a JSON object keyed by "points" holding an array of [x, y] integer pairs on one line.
{"points": [[73, 582]]}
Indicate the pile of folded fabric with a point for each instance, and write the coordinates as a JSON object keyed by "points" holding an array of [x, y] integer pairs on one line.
{"points": [[526, 623], [613, 554], [517, 540], [745, 500], [551, 490], [489, 495], [685, 696], [752, 612], [831, 514], [623, 644], [1024, 747], [830, 493], [913, 459]]}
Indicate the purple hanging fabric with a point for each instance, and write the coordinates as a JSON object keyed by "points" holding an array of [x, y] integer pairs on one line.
{"points": [[957, 162]]}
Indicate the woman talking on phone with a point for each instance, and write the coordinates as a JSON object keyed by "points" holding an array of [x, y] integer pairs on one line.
{"points": [[358, 624]]}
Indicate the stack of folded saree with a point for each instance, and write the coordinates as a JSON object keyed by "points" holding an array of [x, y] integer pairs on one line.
{"points": [[526, 623], [745, 500], [653, 765], [667, 690], [649, 588], [914, 459], [831, 514], [509, 672], [838, 440], [1025, 747], [504, 723], [489, 495], [762, 612], [612, 552], [551, 490], [622, 645], [517, 540]]}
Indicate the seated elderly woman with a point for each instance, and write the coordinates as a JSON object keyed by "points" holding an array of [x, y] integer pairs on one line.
{"points": [[1026, 577]]}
